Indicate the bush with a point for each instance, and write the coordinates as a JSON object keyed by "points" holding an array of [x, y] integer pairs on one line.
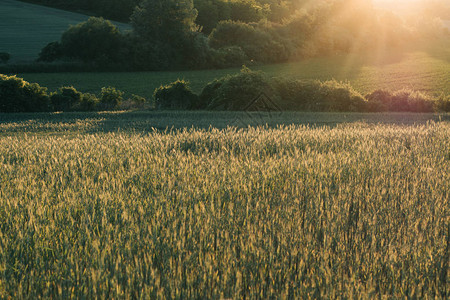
{"points": [[443, 103], [94, 40], [237, 92], [4, 57], [176, 95], [337, 96], [135, 102], [297, 95], [403, 100], [88, 102], [110, 98], [65, 99], [53, 51], [69, 99], [228, 57], [17, 95], [259, 43]]}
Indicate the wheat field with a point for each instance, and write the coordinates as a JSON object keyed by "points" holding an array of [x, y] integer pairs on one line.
{"points": [[354, 210]]}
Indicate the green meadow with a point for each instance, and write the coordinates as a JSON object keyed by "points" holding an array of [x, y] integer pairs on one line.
{"points": [[26, 28], [424, 68]]}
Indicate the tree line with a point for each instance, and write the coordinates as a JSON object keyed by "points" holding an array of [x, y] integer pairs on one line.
{"points": [[232, 92], [177, 34]]}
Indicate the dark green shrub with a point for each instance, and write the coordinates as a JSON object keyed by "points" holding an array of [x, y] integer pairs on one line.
{"points": [[53, 51], [4, 57], [337, 96], [176, 95], [238, 91], [399, 102], [443, 103], [110, 98], [17, 95], [210, 13], [209, 92], [256, 41], [196, 52], [247, 11], [403, 100], [88, 102], [378, 100], [94, 40], [134, 102], [418, 102], [318, 96], [65, 99], [228, 57], [296, 94]]}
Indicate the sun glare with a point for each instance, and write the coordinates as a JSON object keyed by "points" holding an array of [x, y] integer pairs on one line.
{"points": [[397, 5]]}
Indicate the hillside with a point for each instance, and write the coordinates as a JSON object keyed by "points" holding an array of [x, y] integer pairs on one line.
{"points": [[26, 28]]}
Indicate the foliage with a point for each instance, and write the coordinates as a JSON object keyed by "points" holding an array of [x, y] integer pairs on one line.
{"points": [[338, 96], [88, 102], [53, 51], [134, 102], [166, 21], [210, 13], [177, 34], [17, 95], [94, 40], [65, 98], [176, 95], [238, 91], [290, 212], [402, 100], [110, 98], [164, 33], [247, 11], [4, 57], [257, 43], [232, 56]]}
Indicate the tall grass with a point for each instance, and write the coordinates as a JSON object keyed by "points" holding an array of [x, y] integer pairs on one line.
{"points": [[293, 211]]}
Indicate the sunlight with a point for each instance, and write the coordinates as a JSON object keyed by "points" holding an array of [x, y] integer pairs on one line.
{"points": [[399, 6]]}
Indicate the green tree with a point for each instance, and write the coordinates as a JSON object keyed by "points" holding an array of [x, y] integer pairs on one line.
{"points": [[165, 21], [94, 40], [210, 13]]}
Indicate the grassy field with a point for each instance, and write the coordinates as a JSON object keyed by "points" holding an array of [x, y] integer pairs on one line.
{"points": [[426, 68], [95, 209], [26, 28]]}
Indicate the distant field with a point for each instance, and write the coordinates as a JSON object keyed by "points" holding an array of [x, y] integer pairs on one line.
{"points": [[26, 28], [425, 68]]}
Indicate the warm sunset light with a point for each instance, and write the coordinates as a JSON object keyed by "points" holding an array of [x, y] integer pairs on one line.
{"points": [[224, 149]]}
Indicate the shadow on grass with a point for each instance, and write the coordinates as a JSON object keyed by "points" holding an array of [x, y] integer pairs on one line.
{"points": [[148, 121]]}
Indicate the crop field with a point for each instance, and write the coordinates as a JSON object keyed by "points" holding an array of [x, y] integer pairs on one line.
{"points": [[26, 28], [95, 209], [426, 70]]}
